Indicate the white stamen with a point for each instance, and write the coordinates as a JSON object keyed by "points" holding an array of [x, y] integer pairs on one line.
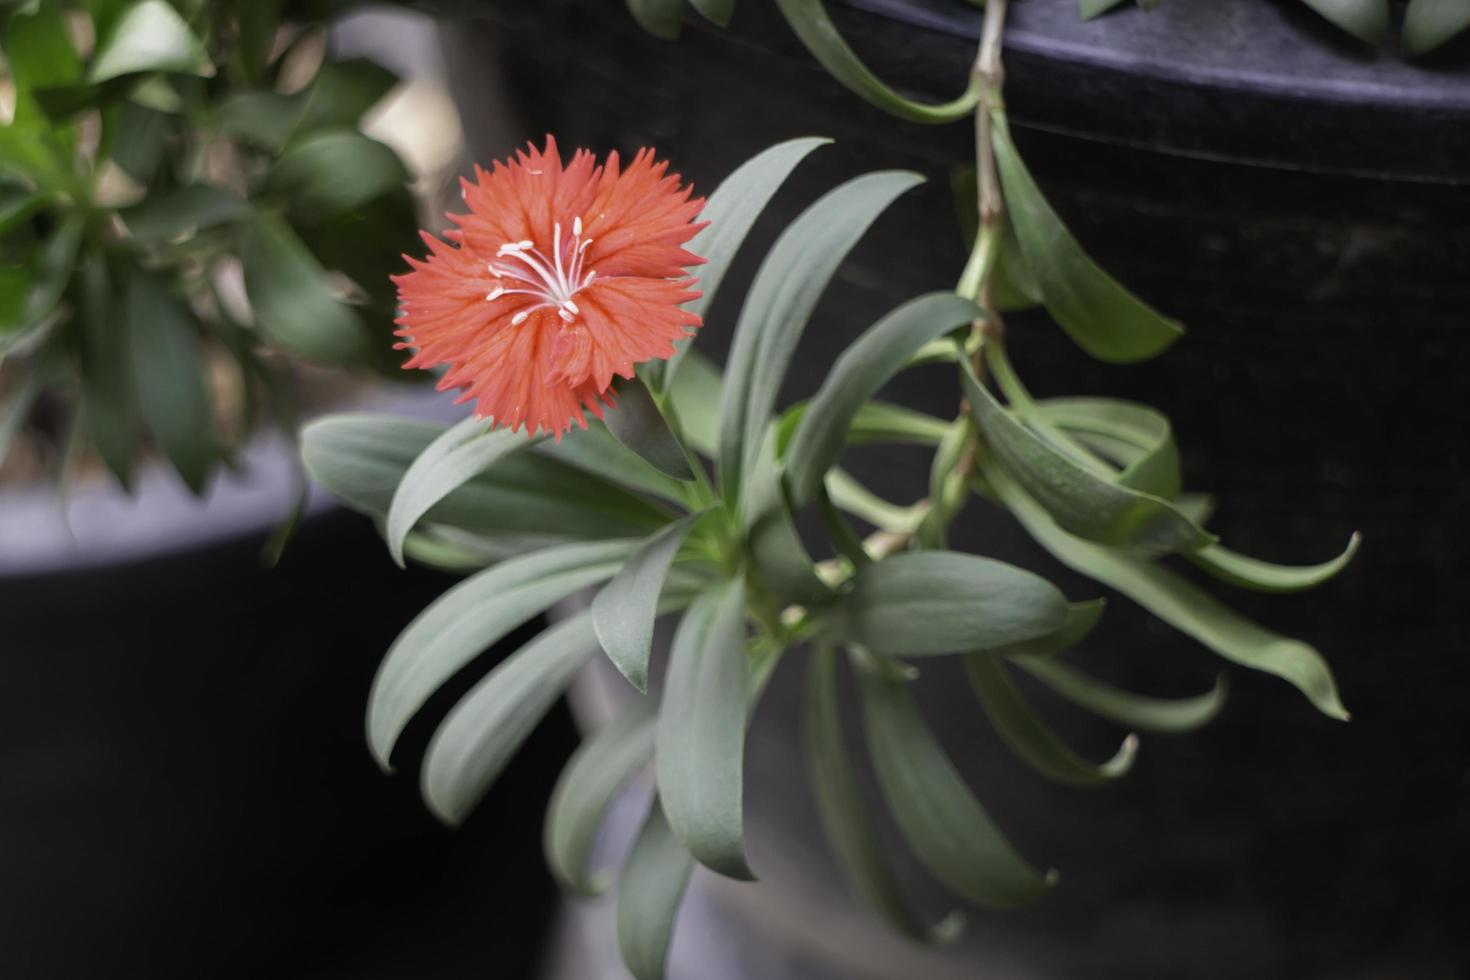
{"points": [[577, 226], [571, 307], [553, 280], [565, 315], [495, 293], [519, 318]]}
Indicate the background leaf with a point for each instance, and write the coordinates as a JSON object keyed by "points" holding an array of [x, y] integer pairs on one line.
{"points": [[148, 36], [1430, 23], [1163, 715], [661, 18], [1265, 576], [169, 376], [1366, 20], [291, 297]]}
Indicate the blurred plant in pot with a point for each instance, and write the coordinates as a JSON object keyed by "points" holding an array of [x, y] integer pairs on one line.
{"points": [[682, 491], [189, 211]]}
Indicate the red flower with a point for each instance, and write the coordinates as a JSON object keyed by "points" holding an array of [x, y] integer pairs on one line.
{"points": [[558, 278]]}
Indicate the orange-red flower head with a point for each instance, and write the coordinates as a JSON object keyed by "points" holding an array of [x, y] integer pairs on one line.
{"points": [[558, 278]]}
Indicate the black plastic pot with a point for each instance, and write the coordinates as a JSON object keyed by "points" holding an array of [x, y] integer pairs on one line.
{"points": [[1304, 207], [185, 789]]}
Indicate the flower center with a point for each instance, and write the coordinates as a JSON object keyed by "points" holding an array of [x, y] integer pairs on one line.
{"points": [[553, 281]]}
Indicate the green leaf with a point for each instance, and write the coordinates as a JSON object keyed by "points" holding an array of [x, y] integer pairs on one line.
{"points": [[50, 270], [265, 119], [1366, 20], [1264, 576], [701, 731], [489, 724], [933, 602], [1013, 282], [863, 368], [330, 171], [343, 92], [1430, 23], [1137, 437], [638, 424], [1175, 601], [809, 20], [781, 299], [624, 611], [40, 56], [17, 408], [170, 378], [149, 36], [1080, 501], [1029, 737], [174, 215], [649, 892], [596, 451], [361, 459], [1104, 319], [776, 549], [843, 811], [470, 617], [940, 818], [292, 298], [878, 421], [139, 141], [696, 393], [1081, 618], [717, 12], [730, 211], [107, 374], [661, 18], [1166, 716], [465, 450], [1094, 8], [593, 777]]}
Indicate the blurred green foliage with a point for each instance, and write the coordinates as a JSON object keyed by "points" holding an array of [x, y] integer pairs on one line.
{"points": [[154, 156]]}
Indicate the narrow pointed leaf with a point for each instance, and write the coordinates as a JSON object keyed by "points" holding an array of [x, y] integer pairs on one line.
{"points": [[470, 617], [941, 820], [809, 20], [638, 424], [1430, 23], [650, 890], [701, 731], [108, 387], [594, 776], [461, 453], [1104, 319], [489, 724], [161, 218], [1082, 617], [1265, 576], [1165, 716], [933, 602], [1138, 438], [781, 299], [361, 458], [597, 451], [624, 611], [730, 211], [1029, 737], [776, 549], [844, 812], [867, 364], [1177, 602], [1081, 501]]}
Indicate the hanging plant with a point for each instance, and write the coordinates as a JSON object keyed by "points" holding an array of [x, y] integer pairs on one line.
{"points": [[606, 453]]}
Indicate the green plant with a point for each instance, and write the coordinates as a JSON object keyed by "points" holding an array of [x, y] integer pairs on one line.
{"points": [[628, 508], [157, 155]]}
